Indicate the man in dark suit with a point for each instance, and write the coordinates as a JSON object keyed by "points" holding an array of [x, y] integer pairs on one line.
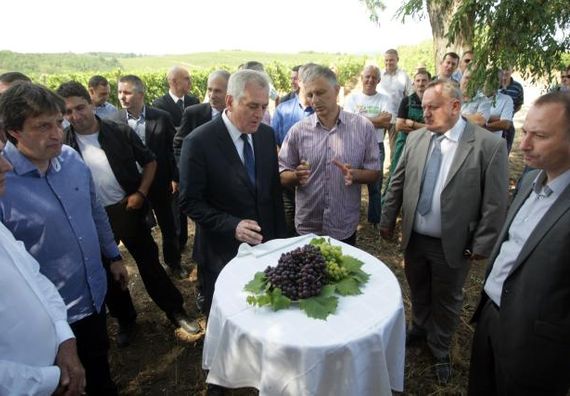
{"points": [[229, 182], [521, 344], [451, 182], [155, 129], [177, 98]]}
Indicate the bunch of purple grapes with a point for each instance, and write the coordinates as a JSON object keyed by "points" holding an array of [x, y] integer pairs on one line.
{"points": [[300, 273]]}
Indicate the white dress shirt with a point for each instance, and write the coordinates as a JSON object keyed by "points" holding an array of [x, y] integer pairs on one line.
{"points": [[235, 135], [33, 323], [430, 224]]}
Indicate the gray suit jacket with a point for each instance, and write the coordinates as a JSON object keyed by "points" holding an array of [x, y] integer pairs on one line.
{"points": [[474, 197], [534, 326]]}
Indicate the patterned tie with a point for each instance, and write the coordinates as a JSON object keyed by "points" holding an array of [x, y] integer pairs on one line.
{"points": [[248, 159], [430, 176], [180, 104]]}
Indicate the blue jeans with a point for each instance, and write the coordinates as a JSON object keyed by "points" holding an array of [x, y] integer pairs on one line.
{"points": [[374, 196]]}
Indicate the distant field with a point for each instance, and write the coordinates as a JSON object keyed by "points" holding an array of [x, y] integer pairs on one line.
{"points": [[229, 58]]}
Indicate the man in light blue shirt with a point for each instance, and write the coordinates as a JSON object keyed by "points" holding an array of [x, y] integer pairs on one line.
{"points": [[52, 208], [99, 91], [520, 346]]}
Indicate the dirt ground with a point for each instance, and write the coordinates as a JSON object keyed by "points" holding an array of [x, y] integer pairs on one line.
{"points": [[157, 363]]}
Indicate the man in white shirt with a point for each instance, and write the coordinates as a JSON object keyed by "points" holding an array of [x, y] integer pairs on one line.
{"points": [[38, 353], [520, 345], [396, 85], [451, 183], [377, 108]]}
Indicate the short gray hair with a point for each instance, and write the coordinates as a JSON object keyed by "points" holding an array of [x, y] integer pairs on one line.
{"points": [[312, 72], [225, 75], [135, 81], [448, 87], [240, 79]]}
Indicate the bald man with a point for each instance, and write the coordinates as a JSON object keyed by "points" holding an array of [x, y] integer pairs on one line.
{"points": [[177, 98]]}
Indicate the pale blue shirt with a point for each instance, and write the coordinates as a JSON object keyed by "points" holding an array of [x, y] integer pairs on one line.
{"points": [[138, 124], [105, 110], [536, 206], [62, 224]]}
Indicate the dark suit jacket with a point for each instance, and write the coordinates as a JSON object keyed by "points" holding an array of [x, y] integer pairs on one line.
{"points": [[474, 197], [193, 117], [167, 104], [158, 138], [534, 324], [216, 193]]}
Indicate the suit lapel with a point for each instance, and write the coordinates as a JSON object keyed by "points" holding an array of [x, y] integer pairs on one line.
{"points": [[423, 151], [560, 206], [150, 125], [464, 147], [228, 147], [521, 196]]}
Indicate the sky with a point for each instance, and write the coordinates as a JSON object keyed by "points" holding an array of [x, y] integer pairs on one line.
{"points": [[186, 26]]}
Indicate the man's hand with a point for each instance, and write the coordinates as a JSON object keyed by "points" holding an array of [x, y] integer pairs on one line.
{"points": [[346, 171], [120, 273], [174, 186], [135, 201], [249, 231], [72, 378], [302, 172], [387, 233]]}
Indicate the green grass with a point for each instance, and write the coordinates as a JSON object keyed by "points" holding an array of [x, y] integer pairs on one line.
{"points": [[230, 58]]}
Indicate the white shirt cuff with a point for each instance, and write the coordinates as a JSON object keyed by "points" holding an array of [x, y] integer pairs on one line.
{"points": [[51, 376], [63, 331]]}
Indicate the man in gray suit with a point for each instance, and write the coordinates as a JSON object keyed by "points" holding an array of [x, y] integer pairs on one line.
{"points": [[521, 344], [451, 182]]}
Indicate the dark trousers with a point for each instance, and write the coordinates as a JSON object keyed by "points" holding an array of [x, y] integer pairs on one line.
{"points": [[509, 135], [162, 207], [289, 209], [92, 348], [436, 291], [374, 192], [130, 228], [119, 301], [487, 375], [181, 222]]}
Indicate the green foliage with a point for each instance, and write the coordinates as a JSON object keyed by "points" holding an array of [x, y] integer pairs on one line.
{"points": [[156, 84], [532, 36], [321, 306], [34, 64]]}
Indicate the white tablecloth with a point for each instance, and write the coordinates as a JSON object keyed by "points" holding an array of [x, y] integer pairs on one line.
{"points": [[357, 351]]}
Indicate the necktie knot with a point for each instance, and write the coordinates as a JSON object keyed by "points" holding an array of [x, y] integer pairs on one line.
{"points": [[180, 104]]}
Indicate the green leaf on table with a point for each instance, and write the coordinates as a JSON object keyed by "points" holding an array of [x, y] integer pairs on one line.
{"points": [[348, 287], [279, 300], [350, 263], [257, 284], [327, 291], [361, 276], [319, 307]]}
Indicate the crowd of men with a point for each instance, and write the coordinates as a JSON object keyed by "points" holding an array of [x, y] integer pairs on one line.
{"points": [[69, 194]]}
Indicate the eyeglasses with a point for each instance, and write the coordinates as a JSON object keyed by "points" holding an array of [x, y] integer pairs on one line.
{"points": [[467, 60], [563, 76]]}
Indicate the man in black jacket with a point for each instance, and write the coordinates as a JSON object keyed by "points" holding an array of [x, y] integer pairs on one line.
{"points": [[177, 98], [155, 129], [114, 153]]}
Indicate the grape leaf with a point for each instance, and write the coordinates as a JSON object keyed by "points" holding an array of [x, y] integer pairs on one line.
{"points": [[257, 284], [348, 287], [361, 276], [278, 300], [350, 263], [319, 307]]}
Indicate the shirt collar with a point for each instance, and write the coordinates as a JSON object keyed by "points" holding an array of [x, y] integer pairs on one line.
{"points": [[454, 134], [235, 133], [175, 98], [340, 119], [554, 186], [141, 117], [22, 165]]}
